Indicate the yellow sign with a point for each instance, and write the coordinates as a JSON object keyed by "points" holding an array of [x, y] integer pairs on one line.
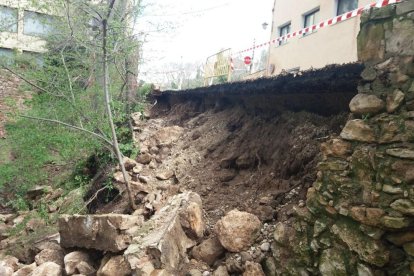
{"points": [[217, 66]]}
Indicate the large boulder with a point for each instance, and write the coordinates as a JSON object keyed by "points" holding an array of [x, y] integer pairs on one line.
{"points": [[161, 242], [116, 265], [110, 232], [237, 230], [47, 269]]}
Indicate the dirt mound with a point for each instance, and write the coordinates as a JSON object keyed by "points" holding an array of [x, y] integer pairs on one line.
{"points": [[233, 159]]}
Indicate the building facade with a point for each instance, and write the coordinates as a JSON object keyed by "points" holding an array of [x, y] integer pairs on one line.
{"points": [[335, 44], [22, 26]]}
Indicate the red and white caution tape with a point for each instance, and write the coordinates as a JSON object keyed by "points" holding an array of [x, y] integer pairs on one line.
{"points": [[329, 22]]}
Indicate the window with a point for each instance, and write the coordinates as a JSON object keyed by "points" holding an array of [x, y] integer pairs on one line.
{"points": [[346, 6], [284, 30], [6, 56], [37, 24], [310, 19], [8, 19]]}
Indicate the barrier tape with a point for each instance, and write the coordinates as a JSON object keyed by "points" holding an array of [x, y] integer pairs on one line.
{"points": [[329, 22]]}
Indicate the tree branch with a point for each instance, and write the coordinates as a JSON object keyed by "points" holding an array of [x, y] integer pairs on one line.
{"points": [[24, 79], [69, 126]]}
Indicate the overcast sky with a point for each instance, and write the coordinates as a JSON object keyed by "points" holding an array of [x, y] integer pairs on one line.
{"points": [[192, 30]]}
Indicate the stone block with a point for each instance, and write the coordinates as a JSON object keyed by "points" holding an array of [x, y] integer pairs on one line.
{"points": [[161, 242], [405, 7], [332, 262], [358, 130], [395, 100], [102, 232], [370, 43], [369, 250], [366, 104], [383, 13], [401, 153], [401, 40]]}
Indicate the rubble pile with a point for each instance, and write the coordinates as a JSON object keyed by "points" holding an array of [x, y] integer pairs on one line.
{"points": [[218, 197]]}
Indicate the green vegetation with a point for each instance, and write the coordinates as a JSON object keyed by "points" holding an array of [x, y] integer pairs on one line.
{"points": [[65, 124], [42, 153]]}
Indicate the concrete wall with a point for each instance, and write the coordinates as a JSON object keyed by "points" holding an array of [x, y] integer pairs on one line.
{"points": [[19, 40], [330, 45]]}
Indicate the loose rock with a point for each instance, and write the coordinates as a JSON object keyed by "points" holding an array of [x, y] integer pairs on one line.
{"points": [[208, 251], [191, 217], [144, 158], [116, 265], [102, 232], [50, 255], [75, 261], [237, 230], [253, 269], [168, 135], [47, 269], [221, 271], [161, 241], [25, 270], [165, 175]]}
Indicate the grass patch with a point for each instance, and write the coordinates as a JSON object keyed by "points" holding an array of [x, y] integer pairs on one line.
{"points": [[43, 154]]}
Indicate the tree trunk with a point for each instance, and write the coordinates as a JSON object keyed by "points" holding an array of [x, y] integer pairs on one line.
{"points": [[109, 114]]}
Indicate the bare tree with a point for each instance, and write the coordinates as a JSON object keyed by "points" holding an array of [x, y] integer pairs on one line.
{"points": [[99, 32]]}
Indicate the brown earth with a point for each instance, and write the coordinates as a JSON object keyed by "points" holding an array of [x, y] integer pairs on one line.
{"points": [[238, 160], [260, 163]]}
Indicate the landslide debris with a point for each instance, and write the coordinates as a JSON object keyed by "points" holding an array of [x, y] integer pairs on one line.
{"points": [[241, 166]]}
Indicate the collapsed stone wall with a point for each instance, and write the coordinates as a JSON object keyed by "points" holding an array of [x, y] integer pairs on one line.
{"points": [[359, 214]]}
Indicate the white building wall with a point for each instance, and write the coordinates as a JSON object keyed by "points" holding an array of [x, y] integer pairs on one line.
{"points": [[19, 41], [334, 44]]}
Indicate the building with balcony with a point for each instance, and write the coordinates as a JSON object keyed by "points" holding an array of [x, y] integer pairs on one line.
{"points": [[22, 27], [334, 44]]}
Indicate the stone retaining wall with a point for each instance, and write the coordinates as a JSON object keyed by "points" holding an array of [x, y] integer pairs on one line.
{"points": [[359, 214]]}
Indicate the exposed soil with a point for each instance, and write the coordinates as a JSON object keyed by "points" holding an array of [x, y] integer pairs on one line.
{"points": [[257, 163], [256, 152]]}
